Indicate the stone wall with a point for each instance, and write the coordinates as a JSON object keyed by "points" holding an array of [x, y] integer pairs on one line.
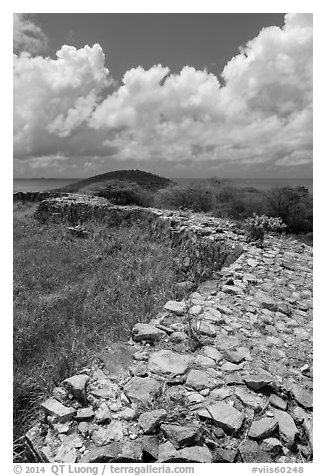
{"points": [[35, 196], [204, 244], [224, 375]]}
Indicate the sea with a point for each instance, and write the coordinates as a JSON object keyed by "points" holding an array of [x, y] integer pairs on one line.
{"points": [[41, 185]]}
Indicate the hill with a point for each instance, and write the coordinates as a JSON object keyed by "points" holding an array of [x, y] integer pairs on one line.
{"points": [[97, 183]]}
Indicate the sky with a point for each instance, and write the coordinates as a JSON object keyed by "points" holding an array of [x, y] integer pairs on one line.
{"points": [[181, 95]]}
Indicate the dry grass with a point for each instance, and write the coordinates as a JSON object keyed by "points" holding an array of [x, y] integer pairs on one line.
{"points": [[72, 296]]}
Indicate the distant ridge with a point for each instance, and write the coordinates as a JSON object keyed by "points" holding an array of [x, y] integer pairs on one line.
{"points": [[97, 183]]}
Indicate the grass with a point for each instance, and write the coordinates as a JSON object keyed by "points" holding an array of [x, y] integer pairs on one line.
{"points": [[72, 296]]}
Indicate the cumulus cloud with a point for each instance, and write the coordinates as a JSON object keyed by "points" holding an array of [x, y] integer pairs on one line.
{"points": [[53, 99], [27, 36], [261, 114]]}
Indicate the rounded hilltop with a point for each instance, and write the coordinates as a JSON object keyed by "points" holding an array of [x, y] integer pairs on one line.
{"points": [[98, 183]]}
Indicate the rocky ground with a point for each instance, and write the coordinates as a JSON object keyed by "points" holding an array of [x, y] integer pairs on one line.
{"points": [[222, 376]]}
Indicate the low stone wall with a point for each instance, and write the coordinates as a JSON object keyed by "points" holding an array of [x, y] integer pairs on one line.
{"points": [[204, 244], [35, 196], [222, 376]]}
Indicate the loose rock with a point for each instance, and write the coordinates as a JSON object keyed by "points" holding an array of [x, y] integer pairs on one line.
{"points": [[177, 307], [149, 421], [168, 363], [54, 408], [223, 415], [143, 390], [287, 427], [262, 428], [146, 332], [183, 434]]}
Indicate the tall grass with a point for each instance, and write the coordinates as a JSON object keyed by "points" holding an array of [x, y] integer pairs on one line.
{"points": [[72, 296]]}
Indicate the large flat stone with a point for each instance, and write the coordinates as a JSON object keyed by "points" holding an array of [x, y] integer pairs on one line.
{"points": [[193, 454], [251, 452], [287, 427], [54, 408], [177, 307], [182, 435], [212, 353], [149, 421], [262, 428], [146, 332], [302, 396], [277, 402], [142, 390], [169, 363], [249, 399], [199, 380], [128, 451], [223, 415], [259, 380]]}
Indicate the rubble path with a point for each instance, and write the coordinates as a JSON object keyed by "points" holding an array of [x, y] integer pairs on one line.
{"points": [[223, 376]]}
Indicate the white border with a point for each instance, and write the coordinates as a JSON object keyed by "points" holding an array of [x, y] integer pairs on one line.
{"points": [[166, 6]]}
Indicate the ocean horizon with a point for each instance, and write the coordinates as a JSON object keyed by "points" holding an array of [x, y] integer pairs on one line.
{"points": [[44, 184]]}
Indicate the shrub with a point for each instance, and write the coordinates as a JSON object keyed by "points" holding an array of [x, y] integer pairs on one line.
{"points": [[294, 205], [195, 197], [257, 225], [126, 193], [238, 203]]}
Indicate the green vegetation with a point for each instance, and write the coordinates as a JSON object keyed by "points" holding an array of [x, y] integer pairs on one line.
{"points": [[126, 193], [293, 205], [217, 197], [145, 180], [258, 225], [73, 296]]}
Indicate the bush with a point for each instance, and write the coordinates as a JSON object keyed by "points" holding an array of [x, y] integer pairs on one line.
{"points": [[126, 193], [257, 225], [195, 197], [242, 204], [294, 205]]}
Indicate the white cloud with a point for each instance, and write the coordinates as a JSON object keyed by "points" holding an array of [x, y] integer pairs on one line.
{"points": [[261, 114], [27, 36], [53, 99]]}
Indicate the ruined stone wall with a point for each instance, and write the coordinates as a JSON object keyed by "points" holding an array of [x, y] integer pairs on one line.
{"points": [[26, 197], [224, 375], [203, 245]]}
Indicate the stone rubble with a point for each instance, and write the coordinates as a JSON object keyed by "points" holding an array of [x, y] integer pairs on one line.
{"points": [[225, 375]]}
